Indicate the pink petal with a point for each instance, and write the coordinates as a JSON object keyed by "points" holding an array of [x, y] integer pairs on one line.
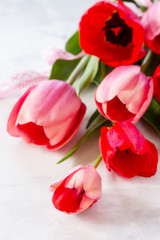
{"points": [[86, 202], [119, 78], [11, 124], [50, 105], [72, 131], [92, 183], [55, 185], [147, 102]]}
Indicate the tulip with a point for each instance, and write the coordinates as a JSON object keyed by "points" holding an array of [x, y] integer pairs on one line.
{"points": [[79, 190], [126, 151], [109, 31], [47, 114], [156, 79], [124, 94], [151, 24]]}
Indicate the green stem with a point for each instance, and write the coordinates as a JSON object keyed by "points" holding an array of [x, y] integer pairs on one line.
{"points": [[88, 75], [74, 149], [97, 162], [81, 65], [146, 61], [99, 122]]}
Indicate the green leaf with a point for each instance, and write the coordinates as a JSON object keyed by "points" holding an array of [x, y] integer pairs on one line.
{"points": [[62, 69], [72, 44], [152, 115], [103, 70], [92, 118]]}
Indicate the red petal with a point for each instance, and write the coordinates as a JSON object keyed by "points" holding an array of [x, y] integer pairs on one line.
{"points": [[121, 113], [33, 133], [66, 199]]}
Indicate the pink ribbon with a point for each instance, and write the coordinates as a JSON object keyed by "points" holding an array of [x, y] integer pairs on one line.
{"points": [[28, 78]]}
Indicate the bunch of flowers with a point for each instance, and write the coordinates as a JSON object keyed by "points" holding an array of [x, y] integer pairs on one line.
{"points": [[117, 48]]}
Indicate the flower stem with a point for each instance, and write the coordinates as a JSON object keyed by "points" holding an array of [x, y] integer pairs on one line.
{"points": [[74, 149], [146, 61], [81, 65], [97, 162], [98, 123]]}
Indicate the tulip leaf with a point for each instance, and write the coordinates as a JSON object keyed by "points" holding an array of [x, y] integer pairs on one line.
{"points": [[62, 69], [152, 115], [150, 63], [72, 45], [103, 70], [97, 117], [92, 118]]}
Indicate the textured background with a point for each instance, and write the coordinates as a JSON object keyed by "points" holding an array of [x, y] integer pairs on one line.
{"points": [[129, 208]]}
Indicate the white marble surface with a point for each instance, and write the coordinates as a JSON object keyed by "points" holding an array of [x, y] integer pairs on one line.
{"points": [[129, 208]]}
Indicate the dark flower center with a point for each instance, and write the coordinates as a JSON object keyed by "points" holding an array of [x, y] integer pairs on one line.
{"points": [[117, 32]]}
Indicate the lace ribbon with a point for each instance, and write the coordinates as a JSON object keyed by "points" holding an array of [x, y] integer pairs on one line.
{"points": [[28, 78]]}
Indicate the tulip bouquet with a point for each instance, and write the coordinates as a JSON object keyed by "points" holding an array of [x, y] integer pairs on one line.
{"points": [[117, 48]]}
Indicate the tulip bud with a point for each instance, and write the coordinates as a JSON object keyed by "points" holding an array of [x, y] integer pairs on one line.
{"points": [[78, 190], [124, 94], [47, 114], [126, 151]]}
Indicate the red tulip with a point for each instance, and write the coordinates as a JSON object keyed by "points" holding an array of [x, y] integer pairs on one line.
{"points": [[156, 79], [47, 114], [124, 94], [151, 24], [126, 151], [78, 190], [109, 31]]}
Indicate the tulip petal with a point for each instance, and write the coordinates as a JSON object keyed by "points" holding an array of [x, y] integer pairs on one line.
{"points": [[86, 202], [73, 130], [92, 183], [128, 73], [11, 124], [33, 133]]}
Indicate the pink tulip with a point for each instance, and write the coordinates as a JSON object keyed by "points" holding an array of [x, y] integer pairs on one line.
{"points": [[124, 94], [78, 190], [47, 114], [151, 24]]}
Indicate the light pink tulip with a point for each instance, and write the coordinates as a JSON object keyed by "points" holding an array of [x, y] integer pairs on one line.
{"points": [[78, 190], [124, 94], [47, 114], [151, 24]]}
